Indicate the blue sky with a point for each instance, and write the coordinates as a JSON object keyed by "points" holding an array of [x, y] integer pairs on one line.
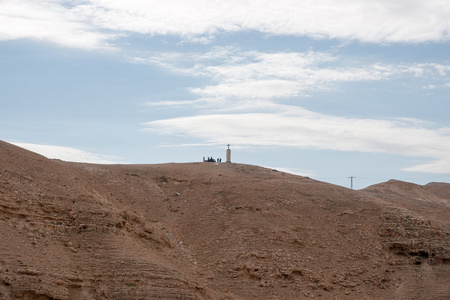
{"points": [[326, 89]]}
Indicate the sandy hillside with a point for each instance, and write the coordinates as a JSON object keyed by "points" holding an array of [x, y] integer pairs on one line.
{"points": [[440, 189], [213, 231]]}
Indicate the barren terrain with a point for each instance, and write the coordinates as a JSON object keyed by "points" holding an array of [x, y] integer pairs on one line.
{"points": [[214, 231]]}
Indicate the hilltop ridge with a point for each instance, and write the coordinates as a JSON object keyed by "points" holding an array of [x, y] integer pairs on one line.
{"points": [[213, 231]]}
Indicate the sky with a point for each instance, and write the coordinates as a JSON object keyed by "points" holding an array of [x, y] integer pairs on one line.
{"points": [[329, 89]]}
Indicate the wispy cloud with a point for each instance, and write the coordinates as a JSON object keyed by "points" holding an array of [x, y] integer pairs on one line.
{"points": [[50, 21], [258, 75], [300, 128], [85, 24], [439, 166], [372, 21], [69, 154]]}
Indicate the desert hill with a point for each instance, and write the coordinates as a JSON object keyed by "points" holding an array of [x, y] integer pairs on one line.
{"points": [[213, 231], [440, 189], [423, 200]]}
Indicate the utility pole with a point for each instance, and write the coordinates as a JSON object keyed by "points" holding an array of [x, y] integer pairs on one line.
{"points": [[351, 181]]}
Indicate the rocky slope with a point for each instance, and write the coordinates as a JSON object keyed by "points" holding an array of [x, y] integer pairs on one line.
{"points": [[213, 231]]}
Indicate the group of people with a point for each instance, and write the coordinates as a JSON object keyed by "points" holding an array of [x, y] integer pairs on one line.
{"points": [[210, 159]]}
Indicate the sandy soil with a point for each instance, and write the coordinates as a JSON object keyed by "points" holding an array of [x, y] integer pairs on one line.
{"points": [[214, 231]]}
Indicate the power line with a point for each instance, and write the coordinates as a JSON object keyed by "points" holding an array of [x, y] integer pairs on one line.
{"points": [[351, 181]]}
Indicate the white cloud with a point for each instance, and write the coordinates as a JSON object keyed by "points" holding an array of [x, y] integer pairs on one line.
{"points": [[49, 21], [259, 89], [258, 75], [373, 21], [82, 24], [297, 127], [440, 166], [69, 154]]}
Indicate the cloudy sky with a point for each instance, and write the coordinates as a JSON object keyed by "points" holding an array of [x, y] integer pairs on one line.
{"points": [[321, 88]]}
